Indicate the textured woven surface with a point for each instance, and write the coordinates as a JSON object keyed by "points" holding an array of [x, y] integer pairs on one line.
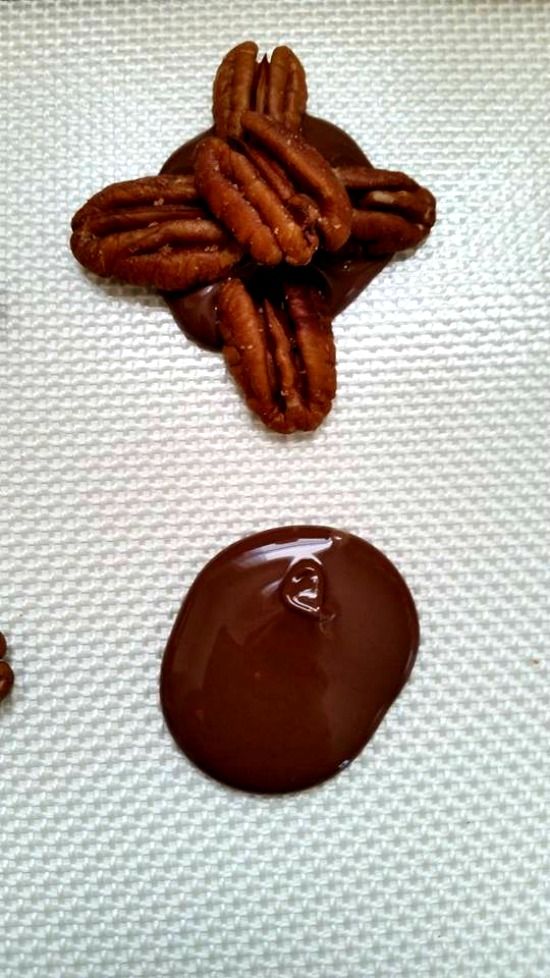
{"points": [[127, 460]]}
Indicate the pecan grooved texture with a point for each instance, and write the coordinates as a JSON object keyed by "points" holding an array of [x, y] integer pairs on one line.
{"points": [[153, 232], [276, 88], [258, 199], [391, 213], [282, 358]]}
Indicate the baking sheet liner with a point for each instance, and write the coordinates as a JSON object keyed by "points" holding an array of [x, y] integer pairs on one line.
{"points": [[127, 460]]}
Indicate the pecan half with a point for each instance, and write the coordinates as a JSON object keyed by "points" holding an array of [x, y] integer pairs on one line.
{"points": [[246, 203], [152, 232], [282, 356], [276, 87], [391, 213], [302, 207], [281, 90], [309, 171], [257, 193]]}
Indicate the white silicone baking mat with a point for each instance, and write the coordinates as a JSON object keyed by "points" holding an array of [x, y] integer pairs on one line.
{"points": [[127, 460]]}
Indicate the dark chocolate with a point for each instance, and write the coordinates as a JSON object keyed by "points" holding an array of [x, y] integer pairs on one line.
{"points": [[6, 674], [6, 679], [288, 650], [341, 277]]}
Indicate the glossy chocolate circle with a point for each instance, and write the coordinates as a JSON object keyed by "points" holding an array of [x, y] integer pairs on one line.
{"points": [[287, 652]]}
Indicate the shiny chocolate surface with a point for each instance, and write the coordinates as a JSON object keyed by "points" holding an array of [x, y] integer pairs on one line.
{"points": [[288, 650]]}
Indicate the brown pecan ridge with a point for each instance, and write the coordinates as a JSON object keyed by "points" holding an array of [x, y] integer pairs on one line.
{"points": [[272, 192], [391, 213], [249, 206], [152, 231], [281, 355], [276, 88], [309, 171]]}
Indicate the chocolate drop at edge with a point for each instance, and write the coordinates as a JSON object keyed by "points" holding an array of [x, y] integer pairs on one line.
{"points": [[288, 650], [340, 277], [6, 679], [6, 673]]}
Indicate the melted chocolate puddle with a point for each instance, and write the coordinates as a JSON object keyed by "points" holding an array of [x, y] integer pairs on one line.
{"points": [[341, 277], [288, 650]]}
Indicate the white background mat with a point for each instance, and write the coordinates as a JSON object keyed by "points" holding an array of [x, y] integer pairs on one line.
{"points": [[127, 460]]}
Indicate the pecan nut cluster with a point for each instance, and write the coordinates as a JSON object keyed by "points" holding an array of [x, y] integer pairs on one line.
{"points": [[260, 197]]}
